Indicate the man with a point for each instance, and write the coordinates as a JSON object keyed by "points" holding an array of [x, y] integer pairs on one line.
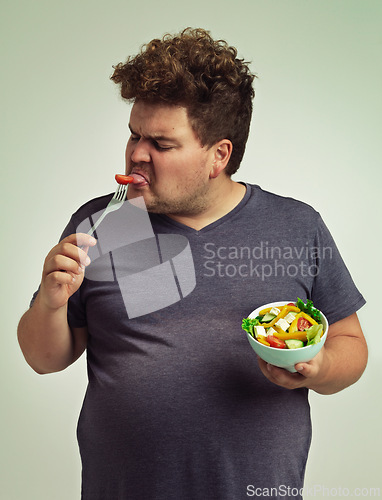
{"points": [[177, 406]]}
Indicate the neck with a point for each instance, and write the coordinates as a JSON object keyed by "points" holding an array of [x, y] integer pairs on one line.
{"points": [[223, 199]]}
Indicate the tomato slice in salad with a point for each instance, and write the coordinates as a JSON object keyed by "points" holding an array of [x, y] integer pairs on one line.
{"points": [[275, 342], [303, 324]]}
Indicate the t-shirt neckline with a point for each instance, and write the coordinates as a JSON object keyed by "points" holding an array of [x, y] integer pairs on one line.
{"points": [[213, 225]]}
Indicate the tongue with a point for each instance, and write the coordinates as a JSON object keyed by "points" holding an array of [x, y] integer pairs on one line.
{"points": [[138, 179]]}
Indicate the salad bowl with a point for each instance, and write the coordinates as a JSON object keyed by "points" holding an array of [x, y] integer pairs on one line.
{"points": [[286, 358]]}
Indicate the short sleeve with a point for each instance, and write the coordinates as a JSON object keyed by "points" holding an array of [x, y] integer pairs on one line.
{"points": [[334, 291]]}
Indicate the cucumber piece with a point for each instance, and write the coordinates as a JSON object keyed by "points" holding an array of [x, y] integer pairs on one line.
{"points": [[294, 343], [267, 317]]}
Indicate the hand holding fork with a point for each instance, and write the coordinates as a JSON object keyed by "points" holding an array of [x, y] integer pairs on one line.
{"points": [[63, 270]]}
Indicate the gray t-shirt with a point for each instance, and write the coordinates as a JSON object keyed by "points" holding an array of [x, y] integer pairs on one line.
{"points": [[176, 407]]}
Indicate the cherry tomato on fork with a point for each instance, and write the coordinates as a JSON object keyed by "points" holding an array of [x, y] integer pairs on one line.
{"points": [[123, 179]]}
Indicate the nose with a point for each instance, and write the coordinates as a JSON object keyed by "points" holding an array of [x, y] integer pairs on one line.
{"points": [[140, 152]]}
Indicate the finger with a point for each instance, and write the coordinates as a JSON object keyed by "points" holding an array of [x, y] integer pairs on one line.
{"points": [[284, 376], [59, 278], [68, 247], [71, 251], [281, 377], [84, 247], [62, 263], [270, 371], [313, 367], [267, 370], [262, 365], [81, 239], [307, 369]]}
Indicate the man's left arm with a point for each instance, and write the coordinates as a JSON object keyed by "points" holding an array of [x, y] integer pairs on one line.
{"points": [[340, 363]]}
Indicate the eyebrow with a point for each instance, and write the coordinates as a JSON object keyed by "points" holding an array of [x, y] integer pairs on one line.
{"points": [[155, 137]]}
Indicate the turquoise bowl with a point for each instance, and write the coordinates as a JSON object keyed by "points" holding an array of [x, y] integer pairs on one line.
{"points": [[286, 358]]}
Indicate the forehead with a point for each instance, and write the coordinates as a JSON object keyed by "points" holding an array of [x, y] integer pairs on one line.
{"points": [[159, 119]]}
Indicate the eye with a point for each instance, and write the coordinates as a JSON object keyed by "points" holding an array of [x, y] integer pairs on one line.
{"points": [[134, 138], [161, 148]]}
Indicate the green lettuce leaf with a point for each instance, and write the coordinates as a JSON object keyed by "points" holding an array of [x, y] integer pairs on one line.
{"points": [[248, 324], [313, 334], [308, 308]]}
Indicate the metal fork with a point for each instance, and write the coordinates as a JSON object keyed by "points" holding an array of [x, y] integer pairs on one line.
{"points": [[115, 203]]}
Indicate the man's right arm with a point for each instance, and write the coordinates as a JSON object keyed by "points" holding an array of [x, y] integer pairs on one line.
{"points": [[45, 338]]}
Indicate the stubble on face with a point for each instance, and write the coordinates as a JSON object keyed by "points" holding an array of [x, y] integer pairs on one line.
{"points": [[190, 202]]}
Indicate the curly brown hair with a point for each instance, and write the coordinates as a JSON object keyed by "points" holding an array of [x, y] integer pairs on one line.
{"points": [[204, 75]]}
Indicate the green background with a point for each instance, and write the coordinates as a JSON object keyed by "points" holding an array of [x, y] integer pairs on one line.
{"points": [[315, 136]]}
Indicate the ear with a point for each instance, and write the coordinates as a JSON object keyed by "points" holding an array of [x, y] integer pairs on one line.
{"points": [[222, 151]]}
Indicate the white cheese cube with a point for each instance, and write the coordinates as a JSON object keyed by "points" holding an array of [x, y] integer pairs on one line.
{"points": [[271, 331], [274, 311], [260, 330], [284, 325], [290, 317]]}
